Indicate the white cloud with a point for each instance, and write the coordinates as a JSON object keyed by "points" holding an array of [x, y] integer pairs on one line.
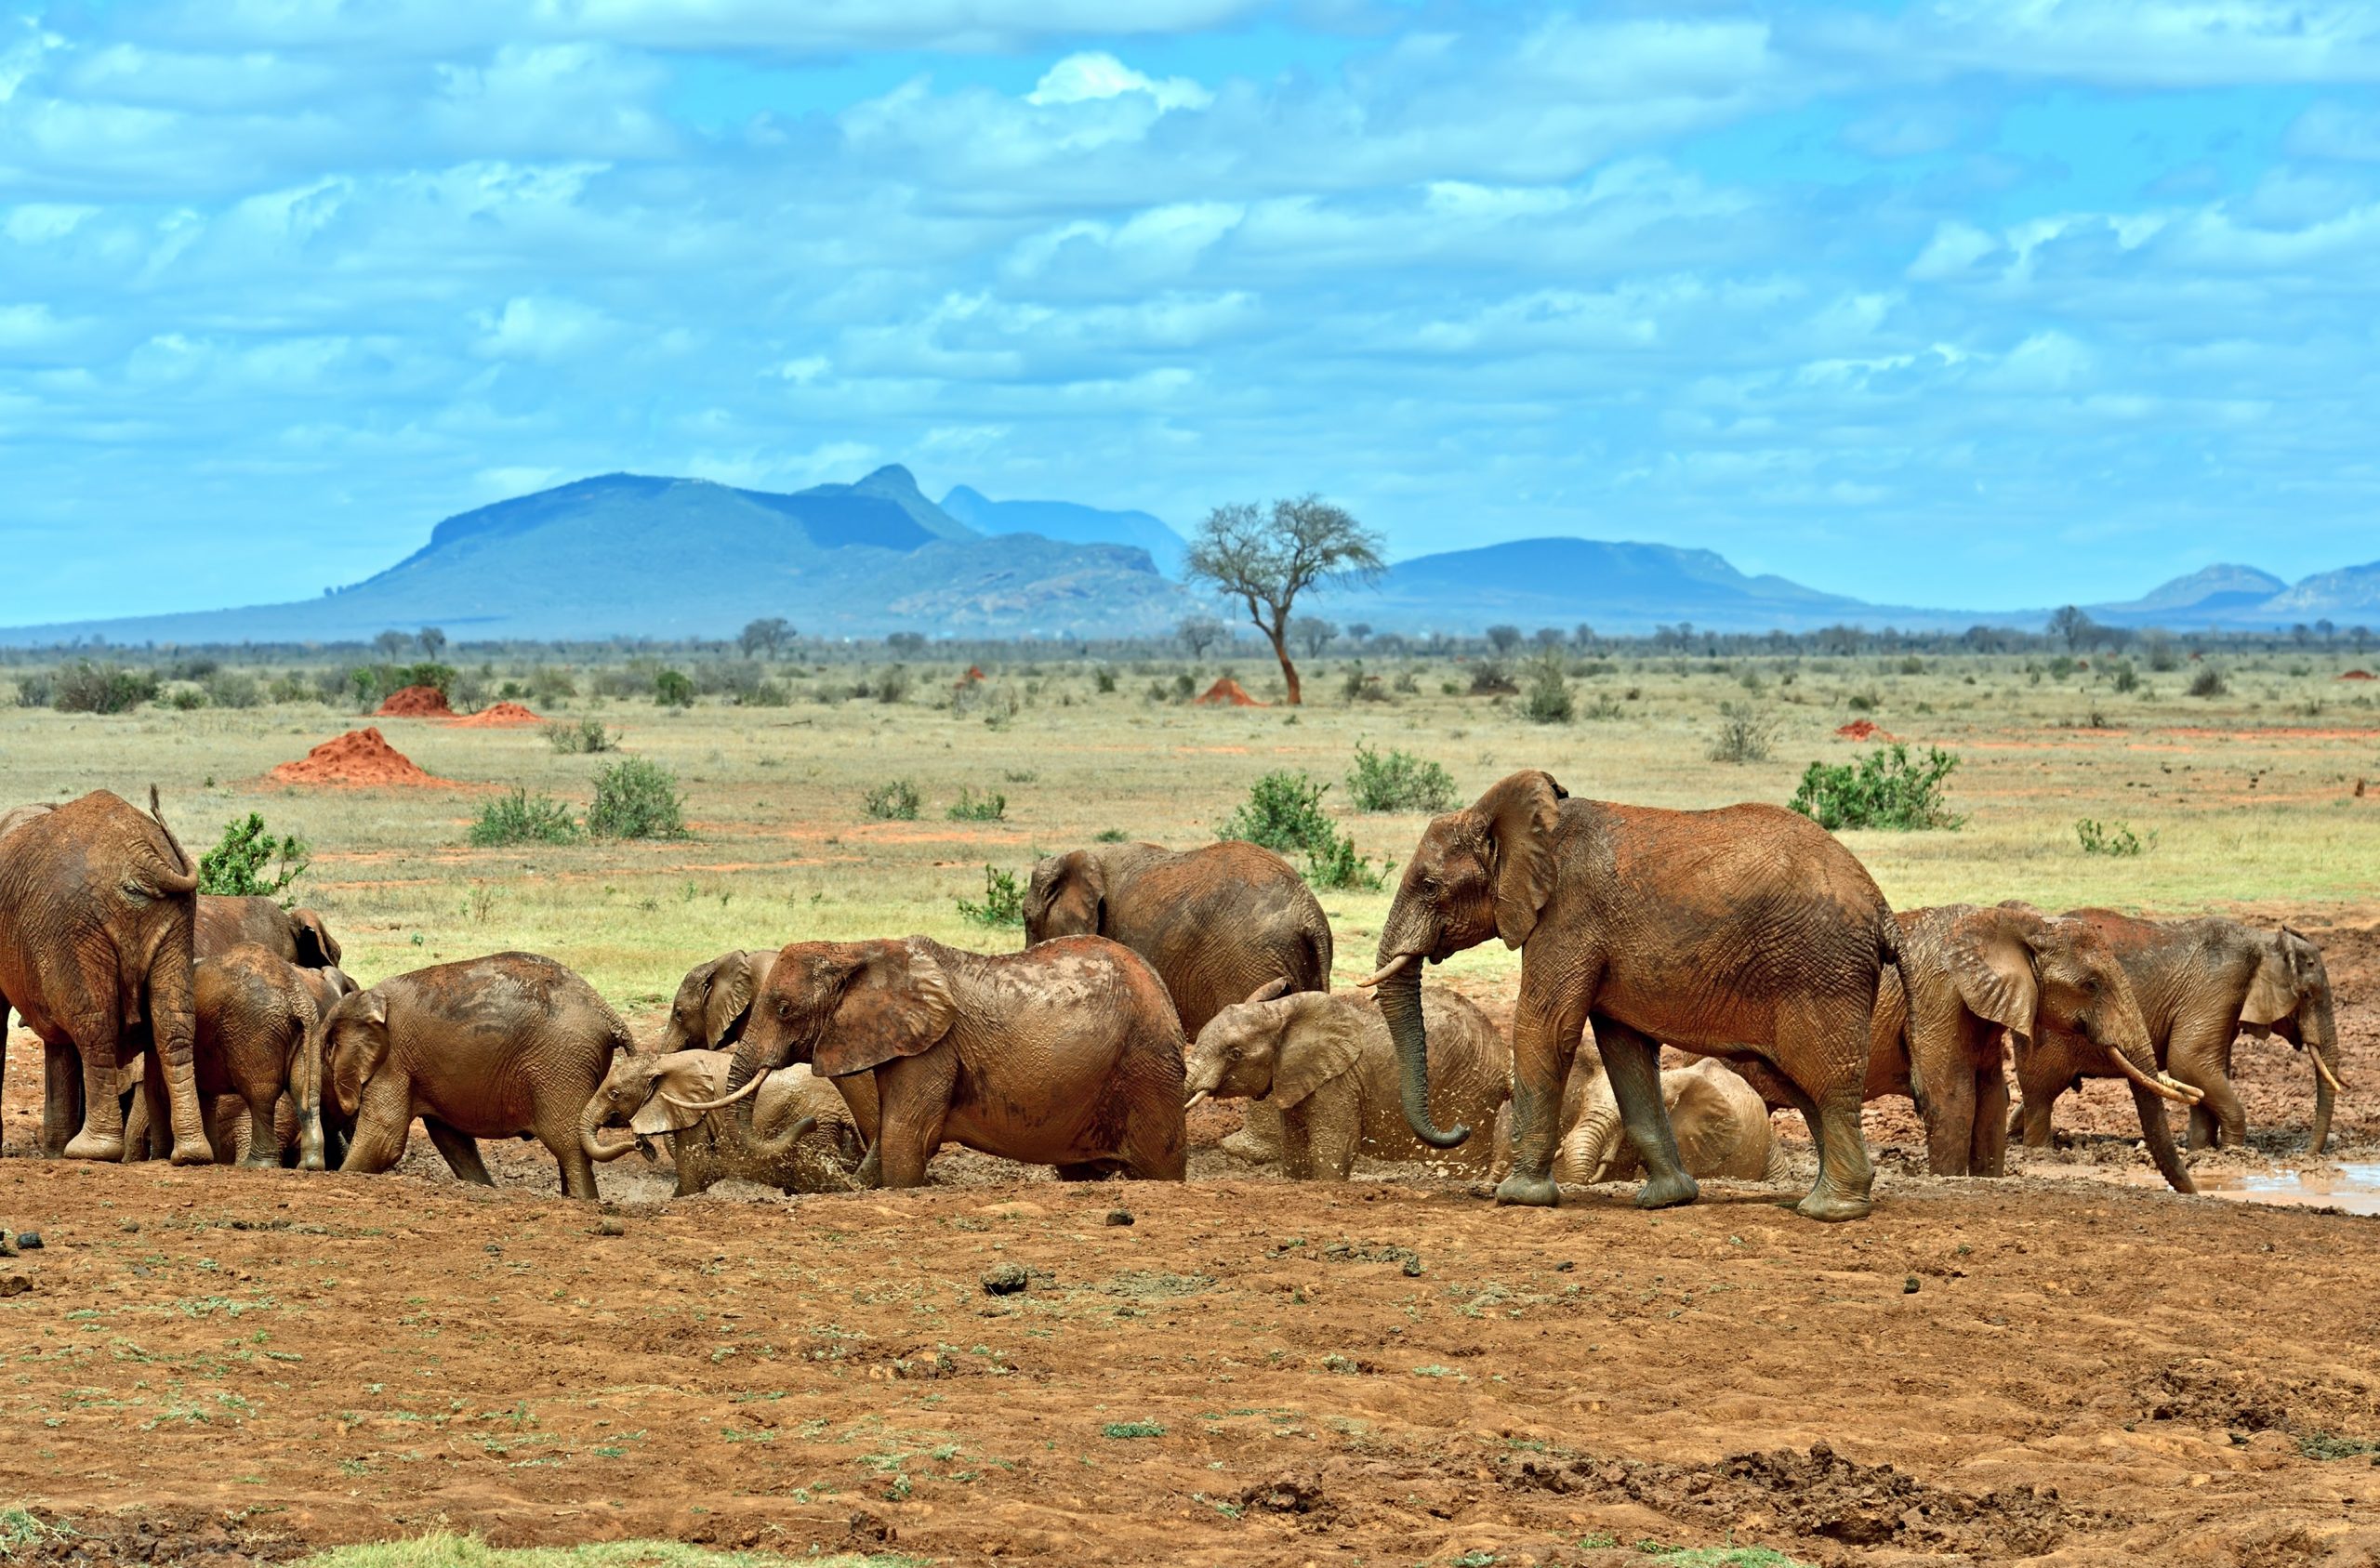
{"points": [[531, 327], [1096, 74]]}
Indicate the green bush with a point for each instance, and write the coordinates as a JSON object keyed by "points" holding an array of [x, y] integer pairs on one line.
{"points": [[671, 688], [582, 735], [2207, 682], [229, 688], [185, 699], [2112, 839], [1283, 813], [892, 686], [635, 799], [1105, 678], [1549, 700], [250, 863], [37, 689], [989, 806], [1335, 863], [519, 818], [895, 800], [2126, 679], [1493, 677], [1398, 782], [1746, 733], [1884, 789], [768, 693], [1003, 901], [85, 687], [550, 686]]}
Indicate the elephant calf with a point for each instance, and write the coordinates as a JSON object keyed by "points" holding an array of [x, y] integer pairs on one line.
{"points": [[297, 935], [1721, 1123], [260, 1039], [804, 1137], [512, 1044], [1324, 1060]]}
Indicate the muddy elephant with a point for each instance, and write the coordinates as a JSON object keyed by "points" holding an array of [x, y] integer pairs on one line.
{"points": [[715, 1000], [1324, 1062], [1967, 973], [1215, 922], [1719, 1120], [1067, 1054], [297, 935], [259, 1039], [1745, 933], [97, 908], [512, 1044], [2199, 982], [804, 1137]]}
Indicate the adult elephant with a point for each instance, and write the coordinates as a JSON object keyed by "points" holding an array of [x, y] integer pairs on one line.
{"points": [[1217, 923], [1745, 933], [97, 906], [297, 936], [1719, 1120], [2199, 982], [1964, 975], [1067, 1054], [512, 1044], [804, 1137], [1324, 1062]]}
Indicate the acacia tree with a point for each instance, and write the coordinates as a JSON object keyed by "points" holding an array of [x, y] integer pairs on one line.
{"points": [[1266, 559], [1313, 634], [764, 636], [1199, 633]]}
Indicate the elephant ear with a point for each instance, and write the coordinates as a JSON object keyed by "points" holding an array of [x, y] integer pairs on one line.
{"points": [[727, 997], [359, 1042], [1270, 991], [317, 949], [1991, 965], [1070, 900], [1314, 1041], [1521, 814], [897, 1003], [2272, 995], [679, 1082]]}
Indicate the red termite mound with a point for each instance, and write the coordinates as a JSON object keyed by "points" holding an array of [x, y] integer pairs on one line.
{"points": [[2356, 675], [498, 716], [974, 676], [360, 757], [415, 702], [1226, 692], [1862, 730]]}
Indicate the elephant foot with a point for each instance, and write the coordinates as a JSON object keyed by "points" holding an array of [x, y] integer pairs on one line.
{"points": [[1829, 1210], [194, 1151], [1246, 1146], [1529, 1191], [1668, 1191], [90, 1146]]}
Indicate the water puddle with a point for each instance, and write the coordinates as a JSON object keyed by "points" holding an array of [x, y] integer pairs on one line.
{"points": [[2355, 1187]]}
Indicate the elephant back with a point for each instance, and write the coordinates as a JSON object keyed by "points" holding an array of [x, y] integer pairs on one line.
{"points": [[1218, 922]]}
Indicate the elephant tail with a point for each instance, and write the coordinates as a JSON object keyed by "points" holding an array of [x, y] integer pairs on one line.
{"points": [[1887, 939], [178, 880]]}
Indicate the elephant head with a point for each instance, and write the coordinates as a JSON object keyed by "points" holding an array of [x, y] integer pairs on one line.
{"points": [[355, 1044], [2291, 996], [651, 1095], [2031, 975], [1271, 1047], [1484, 871], [1066, 898], [713, 1002], [843, 1008], [317, 949]]}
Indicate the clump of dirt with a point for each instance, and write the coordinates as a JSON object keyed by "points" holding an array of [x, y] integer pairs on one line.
{"points": [[360, 757], [1863, 730], [1226, 692], [173, 1533], [2356, 675], [414, 702], [502, 716]]}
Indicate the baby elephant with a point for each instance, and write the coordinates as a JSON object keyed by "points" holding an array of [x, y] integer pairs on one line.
{"points": [[1067, 1054], [1325, 1062], [507, 1045], [1721, 1123], [260, 1037], [803, 1137]]}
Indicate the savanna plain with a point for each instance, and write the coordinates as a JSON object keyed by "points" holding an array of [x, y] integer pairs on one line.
{"points": [[2069, 1366]]}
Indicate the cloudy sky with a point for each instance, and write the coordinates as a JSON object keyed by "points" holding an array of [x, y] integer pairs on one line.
{"points": [[1989, 303]]}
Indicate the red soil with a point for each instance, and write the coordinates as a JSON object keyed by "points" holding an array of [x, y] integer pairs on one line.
{"points": [[496, 717], [360, 757], [973, 676], [1862, 730], [415, 702], [2356, 675], [1226, 692]]}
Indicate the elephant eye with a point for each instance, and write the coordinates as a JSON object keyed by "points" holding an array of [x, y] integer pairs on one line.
{"points": [[785, 1008]]}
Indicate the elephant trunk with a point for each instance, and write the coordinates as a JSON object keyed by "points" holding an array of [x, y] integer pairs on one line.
{"points": [[781, 1146], [2160, 1139], [598, 1148], [1400, 1006], [1585, 1154]]}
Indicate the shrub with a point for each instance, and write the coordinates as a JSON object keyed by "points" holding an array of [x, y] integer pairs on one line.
{"points": [[1549, 700], [290, 688], [550, 685], [1493, 677], [85, 687], [1863, 702], [671, 688], [1003, 901], [1884, 789], [1335, 863], [2126, 678], [1185, 688], [2112, 839], [1283, 813], [581, 736], [2207, 682], [228, 687], [768, 693], [249, 862], [893, 685], [894, 801], [989, 806], [1605, 708], [2161, 655], [1398, 782], [1103, 678], [519, 818], [635, 799], [1745, 734], [185, 699]]}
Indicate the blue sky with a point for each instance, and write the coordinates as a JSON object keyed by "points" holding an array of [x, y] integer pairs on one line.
{"points": [[1989, 303]]}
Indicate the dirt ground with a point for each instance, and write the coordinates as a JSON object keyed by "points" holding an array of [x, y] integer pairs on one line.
{"points": [[245, 1365]]}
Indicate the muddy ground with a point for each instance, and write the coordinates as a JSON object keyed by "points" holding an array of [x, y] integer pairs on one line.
{"points": [[2046, 1368]]}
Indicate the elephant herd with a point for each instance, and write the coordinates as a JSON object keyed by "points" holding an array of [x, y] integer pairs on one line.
{"points": [[188, 1025]]}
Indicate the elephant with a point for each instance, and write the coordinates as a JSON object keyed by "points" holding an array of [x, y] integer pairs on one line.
{"points": [[1746, 932], [2199, 984], [714, 1000], [1067, 1054], [805, 1137], [1216, 923], [297, 935], [1719, 1120], [16, 817], [511, 1045], [1324, 1060], [97, 904], [260, 1037], [1964, 975]]}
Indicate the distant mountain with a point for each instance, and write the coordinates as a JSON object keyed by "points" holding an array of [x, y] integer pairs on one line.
{"points": [[2347, 597], [1069, 522], [2210, 591]]}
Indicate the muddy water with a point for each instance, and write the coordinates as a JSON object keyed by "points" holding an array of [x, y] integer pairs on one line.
{"points": [[2354, 1187]]}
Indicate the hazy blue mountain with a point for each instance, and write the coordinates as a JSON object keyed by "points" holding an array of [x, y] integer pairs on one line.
{"points": [[2347, 597], [2207, 594], [1069, 522]]}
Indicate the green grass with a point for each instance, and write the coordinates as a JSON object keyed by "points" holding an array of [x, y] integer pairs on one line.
{"points": [[444, 1550]]}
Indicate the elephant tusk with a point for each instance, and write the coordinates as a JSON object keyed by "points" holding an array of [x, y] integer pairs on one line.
{"points": [[752, 1088], [1388, 968], [2163, 1085], [2329, 1077], [2175, 1089], [1196, 1100]]}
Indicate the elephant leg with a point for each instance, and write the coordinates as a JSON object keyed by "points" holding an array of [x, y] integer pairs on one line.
{"points": [[383, 1123], [1951, 1130], [1155, 1148], [1546, 1027], [462, 1151], [1832, 1055], [1632, 1064], [101, 1136], [1257, 1141], [61, 1095], [264, 1137], [913, 1099], [1989, 1155], [2218, 1118]]}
